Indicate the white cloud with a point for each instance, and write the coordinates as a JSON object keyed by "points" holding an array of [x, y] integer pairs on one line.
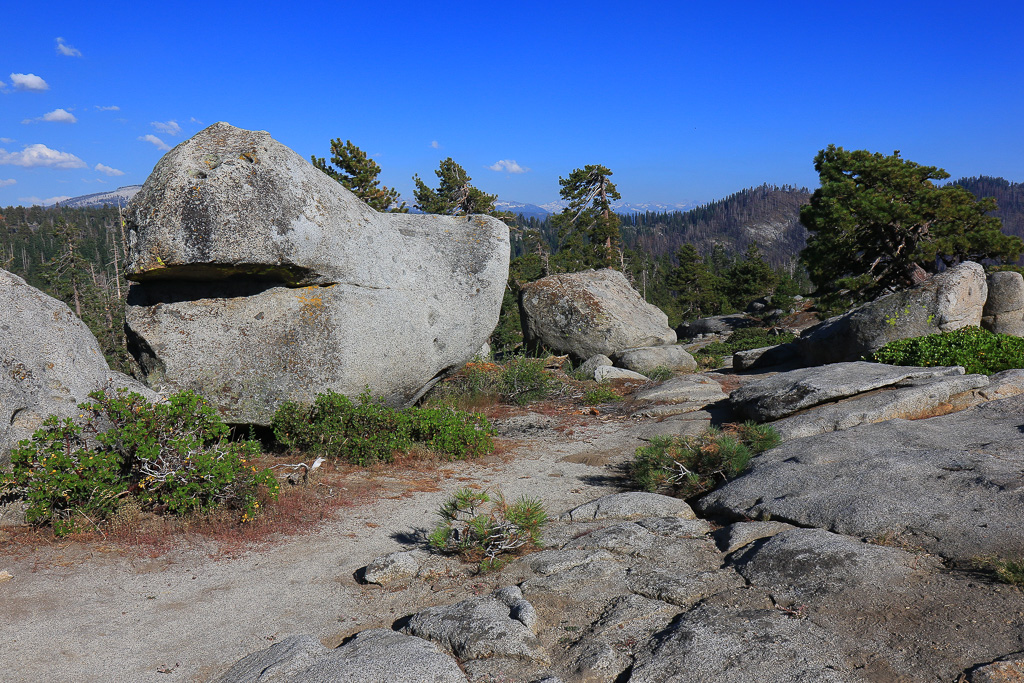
{"points": [[66, 50], [508, 166], [169, 127], [40, 155], [7, 141], [29, 82], [160, 144], [108, 170], [2, 85], [435, 144], [111, 108], [9, 181], [36, 201], [57, 116], [195, 120]]}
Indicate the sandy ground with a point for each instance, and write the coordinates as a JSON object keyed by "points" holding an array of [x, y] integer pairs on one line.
{"points": [[92, 613]]}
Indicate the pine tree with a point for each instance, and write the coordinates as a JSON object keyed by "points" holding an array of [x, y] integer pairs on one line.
{"points": [[455, 195], [358, 173], [588, 230], [878, 222]]}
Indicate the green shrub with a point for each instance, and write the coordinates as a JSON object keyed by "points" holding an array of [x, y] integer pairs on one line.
{"points": [[473, 386], [172, 456], [600, 394], [978, 351], [523, 380], [687, 466], [1009, 571], [480, 527], [660, 373], [369, 431]]}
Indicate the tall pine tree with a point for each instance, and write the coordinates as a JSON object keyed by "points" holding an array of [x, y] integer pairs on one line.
{"points": [[358, 173]]}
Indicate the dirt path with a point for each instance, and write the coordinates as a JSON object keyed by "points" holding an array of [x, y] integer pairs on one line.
{"points": [[92, 614]]}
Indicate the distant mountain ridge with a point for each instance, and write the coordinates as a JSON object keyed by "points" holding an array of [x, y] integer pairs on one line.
{"points": [[114, 197]]}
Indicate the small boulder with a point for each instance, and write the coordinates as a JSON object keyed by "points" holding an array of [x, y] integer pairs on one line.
{"points": [[591, 365], [1004, 308], [498, 625], [390, 568], [588, 313], [604, 373], [646, 359]]}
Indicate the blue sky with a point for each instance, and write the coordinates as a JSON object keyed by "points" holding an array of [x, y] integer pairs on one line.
{"points": [[684, 101]]}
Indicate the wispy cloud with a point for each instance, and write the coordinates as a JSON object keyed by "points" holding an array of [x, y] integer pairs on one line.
{"points": [[36, 201], [108, 170], [56, 116], [169, 127], [160, 144], [29, 82], [110, 108], [435, 144], [9, 181], [7, 141], [39, 155], [2, 85], [195, 121], [508, 166], [66, 50]]}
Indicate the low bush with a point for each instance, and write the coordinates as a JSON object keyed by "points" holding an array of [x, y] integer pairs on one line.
{"points": [[978, 351], [524, 380], [481, 528], [743, 339], [600, 394], [687, 466], [473, 387], [172, 457], [368, 431], [660, 373]]}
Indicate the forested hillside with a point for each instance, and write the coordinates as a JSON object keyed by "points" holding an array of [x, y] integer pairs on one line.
{"points": [[77, 256], [1009, 197]]}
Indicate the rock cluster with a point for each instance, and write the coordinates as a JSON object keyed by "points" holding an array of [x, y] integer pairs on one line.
{"points": [[634, 588], [259, 279]]}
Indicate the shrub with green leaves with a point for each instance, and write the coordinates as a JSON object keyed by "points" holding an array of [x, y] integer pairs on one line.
{"points": [[173, 456], [481, 527], [600, 394], [369, 431], [978, 351], [687, 466], [523, 380]]}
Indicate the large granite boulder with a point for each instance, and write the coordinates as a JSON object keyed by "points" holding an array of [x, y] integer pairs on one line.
{"points": [[260, 280], [1004, 308], [50, 362], [589, 313], [948, 301]]}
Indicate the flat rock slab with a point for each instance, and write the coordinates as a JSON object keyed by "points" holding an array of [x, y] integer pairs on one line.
{"points": [[783, 394], [632, 505], [804, 564], [952, 484], [371, 656], [919, 399], [678, 396], [742, 645]]}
